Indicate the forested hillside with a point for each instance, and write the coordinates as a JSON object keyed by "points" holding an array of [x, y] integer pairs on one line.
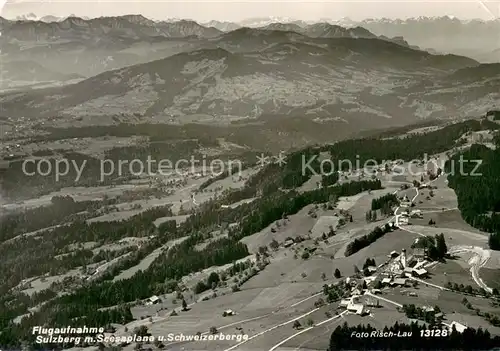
{"points": [[476, 182]]}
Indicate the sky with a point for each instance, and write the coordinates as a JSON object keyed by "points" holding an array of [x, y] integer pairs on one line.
{"points": [[226, 10]]}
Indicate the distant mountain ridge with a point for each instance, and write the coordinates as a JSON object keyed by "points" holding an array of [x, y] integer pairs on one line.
{"points": [[140, 27], [86, 47], [129, 25], [478, 39], [475, 38], [77, 46]]}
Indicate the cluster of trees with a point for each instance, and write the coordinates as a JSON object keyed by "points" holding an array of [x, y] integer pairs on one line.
{"points": [[441, 248], [371, 216], [493, 319], [469, 289], [325, 236], [362, 242], [476, 189], [385, 202], [212, 282], [413, 312], [434, 247], [239, 267], [370, 262], [216, 279], [342, 338], [337, 291]]}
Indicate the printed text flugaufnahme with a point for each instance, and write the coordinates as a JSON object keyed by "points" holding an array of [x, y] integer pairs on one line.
{"points": [[67, 330]]}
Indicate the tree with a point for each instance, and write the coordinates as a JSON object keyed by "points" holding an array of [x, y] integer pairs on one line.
{"points": [[356, 270], [331, 231], [494, 241], [323, 276], [337, 273], [310, 322], [158, 344], [320, 302], [184, 305], [263, 250], [441, 245], [200, 287], [141, 331], [213, 330], [274, 245], [296, 325], [213, 278]]}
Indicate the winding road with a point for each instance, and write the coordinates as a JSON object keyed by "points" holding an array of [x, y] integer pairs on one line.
{"points": [[478, 260]]}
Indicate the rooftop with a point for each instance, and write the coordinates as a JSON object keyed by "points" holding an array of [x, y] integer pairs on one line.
{"points": [[458, 327], [357, 308], [420, 271]]}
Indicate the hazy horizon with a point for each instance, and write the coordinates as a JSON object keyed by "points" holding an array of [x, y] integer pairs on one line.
{"points": [[237, 11]]}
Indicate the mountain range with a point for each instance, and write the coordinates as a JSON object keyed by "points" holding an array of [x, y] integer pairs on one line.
{"points": [[78, 47], [478, 39], [85, 47], [321, 79]]}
